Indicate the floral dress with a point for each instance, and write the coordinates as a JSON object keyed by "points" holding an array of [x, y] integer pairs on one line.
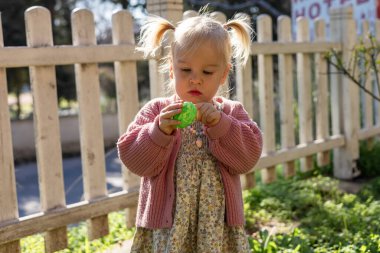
{"points": [[199, 224]]}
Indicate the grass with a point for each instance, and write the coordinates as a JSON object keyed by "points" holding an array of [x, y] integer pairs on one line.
{"points": [[78, 240], [308, 213], [313, 215], [294, 215]]}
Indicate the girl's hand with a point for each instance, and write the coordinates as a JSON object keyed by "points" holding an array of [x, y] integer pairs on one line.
{"points": [[208, 114], [165, 122]]}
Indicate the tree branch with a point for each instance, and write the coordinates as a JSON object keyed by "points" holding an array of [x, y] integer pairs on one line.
{"points": [[373, 62], [339, 66]]}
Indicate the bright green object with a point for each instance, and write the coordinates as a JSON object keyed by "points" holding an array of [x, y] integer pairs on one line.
{"points": [[187, 115]]}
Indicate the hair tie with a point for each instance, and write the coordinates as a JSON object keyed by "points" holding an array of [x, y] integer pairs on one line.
{"points": [[225, 26]]}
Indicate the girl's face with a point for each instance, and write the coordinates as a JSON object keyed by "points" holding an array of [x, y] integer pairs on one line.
{"points": [[198, 76]]}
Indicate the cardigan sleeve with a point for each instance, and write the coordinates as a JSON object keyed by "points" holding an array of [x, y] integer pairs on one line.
{"points": [[144, 149], [236, 141]]}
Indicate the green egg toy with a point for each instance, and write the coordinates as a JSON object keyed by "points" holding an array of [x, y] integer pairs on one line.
{"points": [[187, 115]]}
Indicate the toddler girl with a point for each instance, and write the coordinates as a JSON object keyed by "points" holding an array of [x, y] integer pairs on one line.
{"points": [[190, 194]]}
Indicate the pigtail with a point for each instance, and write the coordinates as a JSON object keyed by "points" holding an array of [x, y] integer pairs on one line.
{"points": [[152, 33], [240, 37]]}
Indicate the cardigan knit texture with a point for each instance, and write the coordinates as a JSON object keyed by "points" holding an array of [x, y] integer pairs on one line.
{"points": [[236, 143]]}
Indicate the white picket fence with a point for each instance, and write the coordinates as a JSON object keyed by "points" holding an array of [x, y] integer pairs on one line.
{"points": [[330, 101]]}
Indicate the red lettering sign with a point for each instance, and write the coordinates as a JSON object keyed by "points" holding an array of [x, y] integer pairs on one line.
{"points": [[328, 2], [314, 11], [300, 12]]}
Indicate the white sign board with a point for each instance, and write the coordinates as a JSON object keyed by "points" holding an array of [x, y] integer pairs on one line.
{"points": [[312, 9]]}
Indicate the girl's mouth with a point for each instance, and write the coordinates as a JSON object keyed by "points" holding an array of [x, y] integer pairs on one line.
{"points": [[195, 93]]}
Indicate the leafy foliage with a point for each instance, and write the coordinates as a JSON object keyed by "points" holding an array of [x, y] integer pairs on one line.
{"points": [[319, 217], [78, 240], [369, 160], [307, 215]]}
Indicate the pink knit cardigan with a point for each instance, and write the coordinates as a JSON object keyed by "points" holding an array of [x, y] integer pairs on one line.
{"points": [[236, 142]]}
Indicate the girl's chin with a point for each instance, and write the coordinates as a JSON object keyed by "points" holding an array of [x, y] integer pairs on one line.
{"points": [[193, 99], [190, 99]]}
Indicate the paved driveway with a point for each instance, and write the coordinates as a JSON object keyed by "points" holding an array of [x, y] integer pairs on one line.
{"points": [[27, 182]]}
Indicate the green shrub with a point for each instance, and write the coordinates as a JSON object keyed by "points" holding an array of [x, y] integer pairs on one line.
{"points": [[369, 161], [317, 216], [320, 217], [371, 190]]}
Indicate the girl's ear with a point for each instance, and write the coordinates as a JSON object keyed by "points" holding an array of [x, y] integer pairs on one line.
{"points": [[225, 74]]}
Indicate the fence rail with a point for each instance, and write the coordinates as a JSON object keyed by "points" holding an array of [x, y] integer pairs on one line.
{"points": [[13, 57], [327, 107], [71, 214]]}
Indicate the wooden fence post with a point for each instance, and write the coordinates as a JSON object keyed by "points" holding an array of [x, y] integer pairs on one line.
{"points": [[305, 112], [344, 97], [171, 10], [264, 30], [46, 125], [8, 195], [322, 104], [286, 82], [90, 121], [367, 100], [127, 94]]}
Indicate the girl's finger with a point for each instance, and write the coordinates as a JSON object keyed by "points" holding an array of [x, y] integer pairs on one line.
{"points": [[200, 110], [172, 107], [204, 117], [207, 114], [212, 116], [170, 114], [169, 122]]}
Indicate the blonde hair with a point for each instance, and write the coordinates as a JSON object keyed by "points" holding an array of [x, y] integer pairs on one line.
{"points": [[231, 39]]}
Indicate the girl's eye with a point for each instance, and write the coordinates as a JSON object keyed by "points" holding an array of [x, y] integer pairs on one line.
{"points": [[185, 70], [207, 72]]}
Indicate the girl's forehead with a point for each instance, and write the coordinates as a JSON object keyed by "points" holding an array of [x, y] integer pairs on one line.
{"points": [[205, 47], [204, 52]]}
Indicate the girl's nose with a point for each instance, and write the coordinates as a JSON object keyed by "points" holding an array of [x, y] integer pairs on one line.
{"points": [[194, 79]]}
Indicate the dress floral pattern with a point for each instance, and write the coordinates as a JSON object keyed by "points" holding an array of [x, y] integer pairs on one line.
{"points": [[199, 213]]}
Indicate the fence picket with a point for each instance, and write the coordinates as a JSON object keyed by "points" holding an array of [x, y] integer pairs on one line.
{"points": [[127, 90], [322, 104], [344, 95], [46, 124], [90, 122], [264, 34], [304, 92], [286, 79], [367, 76], [8, 194], [172, 11]]}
